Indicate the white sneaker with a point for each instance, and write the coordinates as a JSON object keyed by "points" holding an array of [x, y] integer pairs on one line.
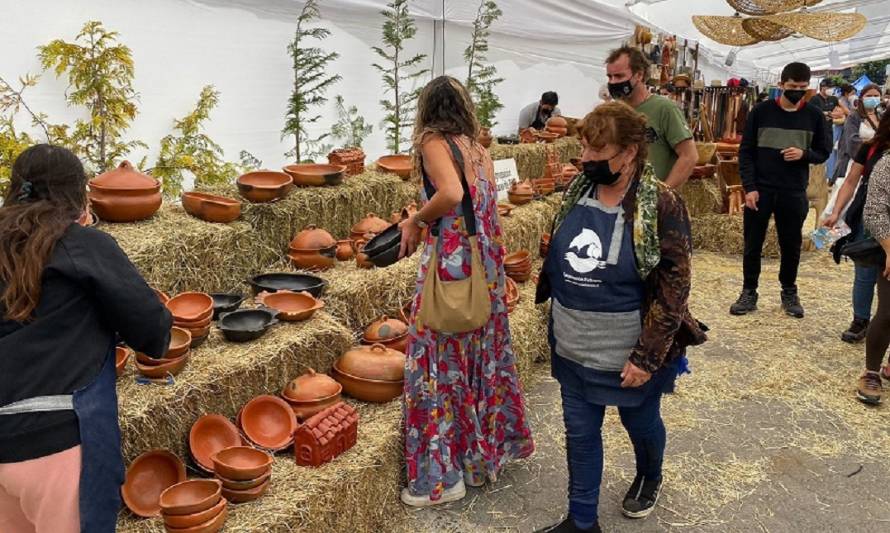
{"points": [[455, 493]]}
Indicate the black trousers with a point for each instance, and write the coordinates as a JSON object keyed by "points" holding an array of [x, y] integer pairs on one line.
{"points": [[790, 209]]}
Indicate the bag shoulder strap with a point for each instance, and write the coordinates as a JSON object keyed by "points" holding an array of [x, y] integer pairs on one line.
{"points": [[467, 200]]}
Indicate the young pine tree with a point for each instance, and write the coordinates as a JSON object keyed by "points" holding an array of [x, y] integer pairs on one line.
{"points": [[351, 127], [482, 78]]}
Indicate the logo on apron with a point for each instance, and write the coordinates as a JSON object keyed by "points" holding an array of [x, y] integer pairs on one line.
{"points": [[586, 252]]}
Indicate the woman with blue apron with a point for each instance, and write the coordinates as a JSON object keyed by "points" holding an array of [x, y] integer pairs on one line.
{"points": [[66, 291]]}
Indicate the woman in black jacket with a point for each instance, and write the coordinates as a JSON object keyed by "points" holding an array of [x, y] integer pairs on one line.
{"points": [[65, 292]]}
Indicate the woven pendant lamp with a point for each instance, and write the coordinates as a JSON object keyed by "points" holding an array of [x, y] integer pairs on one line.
{"points": [[759, 8], [724, 30], [766, 30], [830, 27]]}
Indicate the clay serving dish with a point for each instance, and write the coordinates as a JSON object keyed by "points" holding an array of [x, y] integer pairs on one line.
{"points": [[191, 496], [211, 208], [370, 224], [147, 477], [264, 186], [231, 484], [225, 302], [174, 522], [367, 390], [375, 362], [191, 306], [291, 306], [244, 496], [289, 282], [170, 367], [399, 165], [268, 422], [211, 526], [311, 393], [241, 463], [345, 250], [211, 434], [312, 175], [246, 324], [124, 194]]}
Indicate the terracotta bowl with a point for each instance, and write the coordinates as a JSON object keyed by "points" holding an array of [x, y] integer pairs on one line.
{"points": [[520, 199], [173, 367], [368, 390], [291, 306], [180, 339], [225, 302], [231, 484], [517, 258], [211, 208], [199, 333], [162, 296], [191, 306], [145, 360], [195, 519], [312, 175], [194, 324], [399, 165], [241, 463], [211, 434], [190, 497], [264, 186], [244, 496], [313, 260], [269, 422], [148, 476], [211, 526], [122, 354]]}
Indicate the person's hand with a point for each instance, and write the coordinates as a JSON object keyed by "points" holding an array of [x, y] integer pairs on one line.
{"points": [[410, 237], [633, 376], [751, 200], [831, 221], [887, 268], [792, 154]]}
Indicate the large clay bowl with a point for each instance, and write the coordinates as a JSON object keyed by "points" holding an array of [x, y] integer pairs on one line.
{"points": [[291, 306], [246, 325], [189, 497], [160, 371], [191, 306], [195, 519], [211, 526], [268, 422], [121, 356], [146, 360], [241, 463], [312, 175], [264, 186], [517, 258], [244, 496], [231, 484], [314, 285], [147, 477], [123, 206], [399, 165], [368, 390], [211, 434], [225, 302], [519, 198], [211, 208]]}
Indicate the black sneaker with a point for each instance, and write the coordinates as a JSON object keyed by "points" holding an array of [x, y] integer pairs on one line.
{"points": [[856, 332], [747, 303], [568, 526], [640, 500], [791, 303]]}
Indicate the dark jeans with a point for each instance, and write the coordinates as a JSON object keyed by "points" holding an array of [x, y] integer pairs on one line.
{"points": [[878, 339], [790, 210], [584, 445]]}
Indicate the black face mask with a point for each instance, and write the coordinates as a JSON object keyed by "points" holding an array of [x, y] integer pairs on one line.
{"points": [[621, 90], [794, 95], [599, 173]]}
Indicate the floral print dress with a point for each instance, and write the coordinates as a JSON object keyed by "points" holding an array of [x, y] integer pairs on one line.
{"points": [[464, 409]]}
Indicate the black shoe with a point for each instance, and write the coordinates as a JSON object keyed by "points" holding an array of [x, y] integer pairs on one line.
{"points": [[791, 303], [856, 332], [747, 303], [640, 500], [568, 526]]}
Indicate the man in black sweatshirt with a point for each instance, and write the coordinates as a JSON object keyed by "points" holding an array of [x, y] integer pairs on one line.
{"points": [[782, 138]]}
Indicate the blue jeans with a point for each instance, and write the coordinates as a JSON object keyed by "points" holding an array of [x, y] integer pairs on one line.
{"points": [[584, 445], [864, 291], [832, 160]]}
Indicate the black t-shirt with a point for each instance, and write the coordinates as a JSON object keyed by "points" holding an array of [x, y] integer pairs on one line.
{"points": [[868, 163], [826, 105]]}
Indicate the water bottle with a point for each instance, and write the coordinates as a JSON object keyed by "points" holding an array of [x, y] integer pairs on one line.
{"points": [[824, 237]]}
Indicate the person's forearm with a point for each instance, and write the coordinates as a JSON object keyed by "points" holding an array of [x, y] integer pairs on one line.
{"points": [[885, 244], [682, 170], [439, 205], [845, 194]]}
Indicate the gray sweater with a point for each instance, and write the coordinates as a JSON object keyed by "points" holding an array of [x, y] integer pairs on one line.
{"points": [[877, 205]]}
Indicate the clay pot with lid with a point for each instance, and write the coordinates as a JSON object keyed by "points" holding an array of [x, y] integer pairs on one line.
{"points": [[264, 186], [311, 394], [313, 249], [485, 138], [370, 224], [371, 374], [125, 194], [389, 332]]}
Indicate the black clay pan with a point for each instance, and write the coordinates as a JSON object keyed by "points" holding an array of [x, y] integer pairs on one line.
{"points": [[246, 324], [285, 281], [225, 303]]}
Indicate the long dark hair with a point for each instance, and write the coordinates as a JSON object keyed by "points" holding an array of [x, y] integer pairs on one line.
{"points": [[882, 134], [860, 105], [46, 194], [445, 108]]}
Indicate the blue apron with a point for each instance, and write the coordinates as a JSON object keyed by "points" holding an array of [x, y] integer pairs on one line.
{"points": [[102, 465]]}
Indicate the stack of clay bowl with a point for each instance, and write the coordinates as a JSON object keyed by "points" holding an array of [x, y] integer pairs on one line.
{"points": [[518, 266], [371, 373], [125, 194], [245, 473], [371, 224], [192, 311], [147, 477], [174, 360], [211, 434], [193, 506], [521, 193], [512, 295], [313, 249], [565, 178], [544, 246], [311, 394], [544, 186], [268, 422], [389, 332], [557, 125]]}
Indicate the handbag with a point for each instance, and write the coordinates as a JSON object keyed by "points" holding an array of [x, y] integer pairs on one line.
{"points": [[865, 252], [457, 306]]}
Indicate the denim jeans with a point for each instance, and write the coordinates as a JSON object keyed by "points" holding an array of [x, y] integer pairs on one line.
{"points": [[837, 131], [863, 286], [584, 445]]}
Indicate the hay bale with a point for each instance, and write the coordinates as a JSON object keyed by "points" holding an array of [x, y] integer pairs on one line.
{"points": [[220, 378], [177, 252], [532, 158], [725, 234], [522, 230], [358, 491], [528, 329], [702, 197]]}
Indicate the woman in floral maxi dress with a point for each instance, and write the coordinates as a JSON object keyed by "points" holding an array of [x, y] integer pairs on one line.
{"points": [[464, 409]]}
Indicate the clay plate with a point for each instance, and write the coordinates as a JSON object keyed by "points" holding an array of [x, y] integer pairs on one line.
{"points": [[269, 422], [211, 434], [191, 306], [211, 526], [190, 497], [148, 476], [244, 496], [195, 519], [291, 306], [225, 302], [241, 463], [399, 165]]}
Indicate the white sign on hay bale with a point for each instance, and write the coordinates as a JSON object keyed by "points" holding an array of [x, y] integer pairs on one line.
{"points": [[505, 174]]}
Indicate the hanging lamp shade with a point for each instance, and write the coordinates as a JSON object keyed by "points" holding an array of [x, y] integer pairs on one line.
{"points": [[724, 30], [830, 27], [758, 8], [766, 30]]}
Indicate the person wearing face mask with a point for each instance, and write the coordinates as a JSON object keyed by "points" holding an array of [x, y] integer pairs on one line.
{"points": [[618, 274], [537, 114], [782, 138], [826, 102], [860, 126], [672, 149]]}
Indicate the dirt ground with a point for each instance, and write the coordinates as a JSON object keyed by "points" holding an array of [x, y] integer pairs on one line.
{"points": [[764, 436]]}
